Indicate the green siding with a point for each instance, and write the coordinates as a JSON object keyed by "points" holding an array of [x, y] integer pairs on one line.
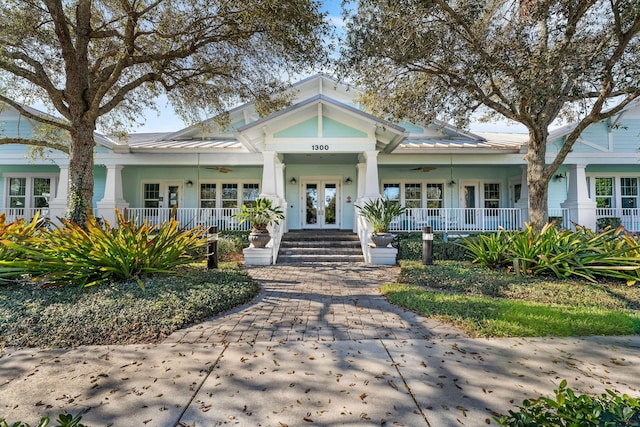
{"points": [[626, 137], [335, 129], [305, 129], [133, 176]]}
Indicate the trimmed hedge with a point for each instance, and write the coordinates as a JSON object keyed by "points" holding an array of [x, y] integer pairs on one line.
{"points": [[410, 247]]}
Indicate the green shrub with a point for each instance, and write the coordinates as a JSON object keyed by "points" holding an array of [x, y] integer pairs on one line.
{"points": [[608, 222], [580, 253], [71, 254], [409, 247], [567, 409], [121, 312]]}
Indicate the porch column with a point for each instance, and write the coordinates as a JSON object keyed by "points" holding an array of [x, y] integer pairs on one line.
{"points": [[269, 177], [112, 199], [280, 191], [361, 170], [523, 202], [582, 210], [58, 205], [371, 185]]}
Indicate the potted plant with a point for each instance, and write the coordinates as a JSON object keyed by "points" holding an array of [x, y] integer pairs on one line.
{"points": [[380, 213], [260, 216]]}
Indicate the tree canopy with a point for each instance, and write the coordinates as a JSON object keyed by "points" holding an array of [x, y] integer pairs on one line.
{"points": [[105, 61], [529, 61]]}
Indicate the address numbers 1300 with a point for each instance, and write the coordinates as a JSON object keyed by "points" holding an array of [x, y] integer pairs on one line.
{"points": [[320, 147]]}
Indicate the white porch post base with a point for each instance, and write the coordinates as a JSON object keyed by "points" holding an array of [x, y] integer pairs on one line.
{"points": [[107, 210], [382, 256], [581, 213], [258, 256]]}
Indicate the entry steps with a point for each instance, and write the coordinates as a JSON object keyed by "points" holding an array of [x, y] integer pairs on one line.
{"points": [[305, 246]]}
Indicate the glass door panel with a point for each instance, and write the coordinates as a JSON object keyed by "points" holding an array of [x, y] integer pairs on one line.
{"points": [[321, 208], [311, 205], [330, 195], [470, 204]]}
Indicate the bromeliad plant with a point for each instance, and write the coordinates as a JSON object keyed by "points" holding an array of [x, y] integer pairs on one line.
{"points": [[261, 215], [580, 253], [90, 255], [380, 213]]}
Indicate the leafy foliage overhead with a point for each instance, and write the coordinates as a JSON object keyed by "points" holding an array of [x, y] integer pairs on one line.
{"points": [[528, 61]]}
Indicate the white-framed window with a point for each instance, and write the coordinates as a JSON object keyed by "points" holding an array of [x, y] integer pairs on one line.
{"points": [[412, 195], [151, 195], [208, 195], [391, 192], [228, 194], [491, 197], [435, 196], [29, 191], [415, 194], [604, 192], [629, 192], [250, 192]]}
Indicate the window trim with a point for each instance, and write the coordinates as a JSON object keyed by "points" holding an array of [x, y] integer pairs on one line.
{"points": [[30, 177], [219, 182], [423, 190]]}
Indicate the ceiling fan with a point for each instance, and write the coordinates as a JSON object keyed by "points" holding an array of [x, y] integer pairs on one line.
{"points": [[221, 169], [423, 169]]}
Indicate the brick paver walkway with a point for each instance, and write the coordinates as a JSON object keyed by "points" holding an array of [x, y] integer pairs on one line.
{"points": [[320, 301]]}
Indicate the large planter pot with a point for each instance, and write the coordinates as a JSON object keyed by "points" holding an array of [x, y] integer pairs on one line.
{"points": [[382, 240], [259, 239]]}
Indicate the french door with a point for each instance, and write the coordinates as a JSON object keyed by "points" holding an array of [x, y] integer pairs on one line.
{"points": [[320, 207]]}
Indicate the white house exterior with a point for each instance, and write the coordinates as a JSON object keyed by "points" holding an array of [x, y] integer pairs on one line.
{"points": [[323, 155]]}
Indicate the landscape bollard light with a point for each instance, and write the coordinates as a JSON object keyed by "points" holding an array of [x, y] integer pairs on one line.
{"points": [[212, 248], [427, 245]]}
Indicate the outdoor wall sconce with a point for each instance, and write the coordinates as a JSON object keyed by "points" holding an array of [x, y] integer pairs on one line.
{"points": [[189, 183], [452, 183], [348, 181], [293, 181], [559, 177]]}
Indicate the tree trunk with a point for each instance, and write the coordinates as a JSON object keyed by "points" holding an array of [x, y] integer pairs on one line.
{"points": [[537, 178], [81, 172]]}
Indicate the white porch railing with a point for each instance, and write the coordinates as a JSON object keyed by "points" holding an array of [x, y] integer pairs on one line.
{"points": [[459, 219], [629, 217], [564, 222], [190, 217], [13, 214]]}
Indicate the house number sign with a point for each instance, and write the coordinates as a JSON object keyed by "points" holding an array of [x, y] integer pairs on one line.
{"points": [[320, 147]]}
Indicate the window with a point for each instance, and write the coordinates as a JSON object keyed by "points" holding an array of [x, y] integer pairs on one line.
{"points": [[492, 198], [604, 192], [229, 196], [629, 192], [18, 192], [152, 195], [250, 193], [207, 195], [413, 195], [434, 196], [391, 192], [29, 192]]}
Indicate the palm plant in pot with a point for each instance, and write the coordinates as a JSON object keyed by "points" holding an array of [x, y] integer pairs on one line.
{"points": [[260, 216], [380, 213]]}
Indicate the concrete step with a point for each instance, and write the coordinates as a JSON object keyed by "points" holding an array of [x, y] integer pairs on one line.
{"points": [[293, 259], [308, 246]]}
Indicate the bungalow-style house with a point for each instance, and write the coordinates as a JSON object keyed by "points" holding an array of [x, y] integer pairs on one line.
{"points": [[323, 155]]}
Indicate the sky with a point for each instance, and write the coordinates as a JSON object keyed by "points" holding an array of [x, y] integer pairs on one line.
{"points": [[167, 121]]}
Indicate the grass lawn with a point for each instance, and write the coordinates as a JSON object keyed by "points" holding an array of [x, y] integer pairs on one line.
{"points": [[119, 313], [488, 303]]}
